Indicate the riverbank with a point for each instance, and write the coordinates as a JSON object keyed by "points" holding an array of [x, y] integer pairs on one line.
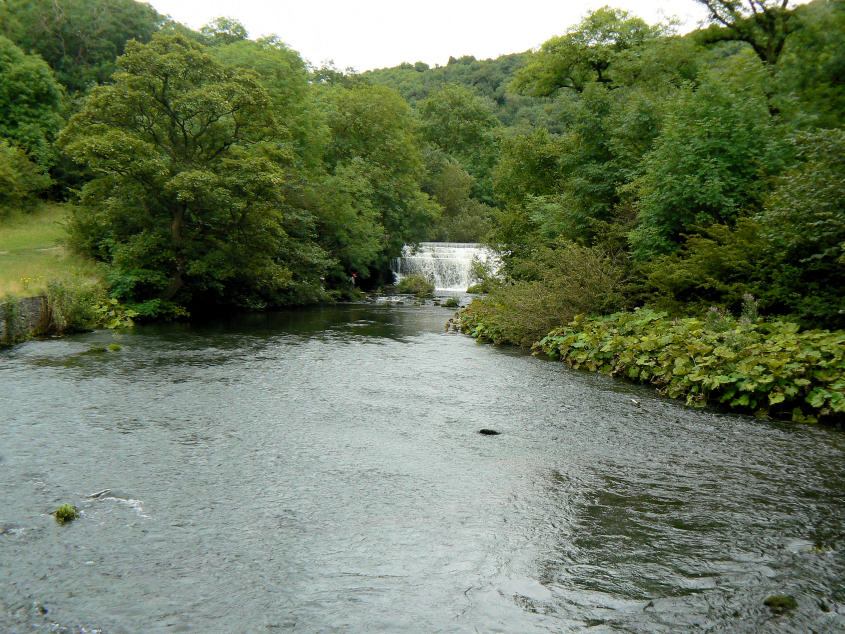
{"points": [[33, 251], [769, 369]]}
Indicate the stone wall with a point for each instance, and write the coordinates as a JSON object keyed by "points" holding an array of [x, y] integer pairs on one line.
{"points": [[23, 318]]}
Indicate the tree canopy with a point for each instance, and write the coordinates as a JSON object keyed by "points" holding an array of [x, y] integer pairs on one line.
{"points": [[217, 169], [764, 24], [30, 102], [187, 199], [584, 54], [79, 39]]}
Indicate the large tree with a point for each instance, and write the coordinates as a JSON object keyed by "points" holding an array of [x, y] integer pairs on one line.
{"points": [[708, 164], [30, 102], [462, 125], [584, 54], [187, 204], [374, 137], [764, 24]]}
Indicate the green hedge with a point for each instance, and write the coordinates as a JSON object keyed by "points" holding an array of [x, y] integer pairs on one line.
{"points": [[770, 369]]}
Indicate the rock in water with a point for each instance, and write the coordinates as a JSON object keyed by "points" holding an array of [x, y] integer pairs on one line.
{"points": [[488, 432]]}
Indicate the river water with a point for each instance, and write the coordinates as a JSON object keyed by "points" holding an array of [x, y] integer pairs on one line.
{"points": [[321, 470]]}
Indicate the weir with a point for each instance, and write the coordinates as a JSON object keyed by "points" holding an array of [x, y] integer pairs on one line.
{"points": [[448, 265]]}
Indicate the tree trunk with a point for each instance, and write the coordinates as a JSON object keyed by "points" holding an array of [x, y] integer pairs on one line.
{"points": [[176, 238]]}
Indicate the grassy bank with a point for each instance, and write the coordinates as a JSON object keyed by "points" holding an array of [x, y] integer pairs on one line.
{"points": [[32, 253], [769, 369]]}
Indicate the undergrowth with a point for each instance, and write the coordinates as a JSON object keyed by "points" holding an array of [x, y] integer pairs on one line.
{"points": [[768, 368]]}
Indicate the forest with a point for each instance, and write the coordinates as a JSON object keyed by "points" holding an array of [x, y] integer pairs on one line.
{"points": [[617, 165]]}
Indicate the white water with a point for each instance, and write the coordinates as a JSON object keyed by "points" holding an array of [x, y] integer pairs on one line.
{"points": [[448, 265]]}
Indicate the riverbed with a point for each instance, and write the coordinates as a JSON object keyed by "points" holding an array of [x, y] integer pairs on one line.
{"points": [[322, 470]]}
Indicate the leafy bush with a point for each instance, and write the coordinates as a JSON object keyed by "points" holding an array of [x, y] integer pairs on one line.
{"points": [[20, 178], [557, 284], [416, 285], [75, 306], [770, 369], [10, 307]]}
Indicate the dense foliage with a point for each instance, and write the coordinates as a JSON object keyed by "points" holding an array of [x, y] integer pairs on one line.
{"points": [[768, 368], [617, 165], [189, 201]]}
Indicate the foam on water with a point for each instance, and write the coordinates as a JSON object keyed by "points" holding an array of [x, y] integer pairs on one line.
{"points": [[448, 265]]}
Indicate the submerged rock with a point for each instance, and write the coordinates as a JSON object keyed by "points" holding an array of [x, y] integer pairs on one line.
{"points": [[488, 432]]}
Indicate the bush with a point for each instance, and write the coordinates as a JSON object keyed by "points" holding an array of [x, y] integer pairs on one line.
{"points": [[10, 307], [769, 369], [715, 268], [65, 513], [20, 178], [568, 280], [415, 285], [77, 306]]}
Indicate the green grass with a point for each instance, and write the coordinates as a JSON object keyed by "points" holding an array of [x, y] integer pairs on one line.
{"points": [[31, 251]]}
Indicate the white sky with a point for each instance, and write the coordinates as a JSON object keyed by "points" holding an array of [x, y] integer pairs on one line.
{"points": [[366, 34]]}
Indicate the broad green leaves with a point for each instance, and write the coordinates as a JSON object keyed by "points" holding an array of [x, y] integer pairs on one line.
{"points": [[768, 368]]}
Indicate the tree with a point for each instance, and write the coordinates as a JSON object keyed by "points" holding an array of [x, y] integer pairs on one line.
{"points": [[224, 30], [284, 75], [811, 71], [584, 54], [79, 39], [803, 222], [706, 166], [374, 129], [187, 205], [20, 178], [462, 219], [30, 102], [463, 126], [764, 24]]}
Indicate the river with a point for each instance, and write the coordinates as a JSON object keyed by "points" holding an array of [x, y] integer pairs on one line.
{"points": [[322, 470]]}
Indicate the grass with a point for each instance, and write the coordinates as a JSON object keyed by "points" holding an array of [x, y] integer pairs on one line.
{"points": [[31, 251]]}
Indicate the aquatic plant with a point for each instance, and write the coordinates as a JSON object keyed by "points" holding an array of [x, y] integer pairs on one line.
{"points": [[65, 513], [452, 302], [781, 603]]}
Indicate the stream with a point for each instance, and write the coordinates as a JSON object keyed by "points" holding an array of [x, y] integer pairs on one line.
{"points": [[321, 470]]}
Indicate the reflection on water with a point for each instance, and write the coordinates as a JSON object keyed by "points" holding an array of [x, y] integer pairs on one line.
{"points": [[321, 470]]}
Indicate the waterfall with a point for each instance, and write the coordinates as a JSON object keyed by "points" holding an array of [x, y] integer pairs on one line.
{"points": [[447, 264]]}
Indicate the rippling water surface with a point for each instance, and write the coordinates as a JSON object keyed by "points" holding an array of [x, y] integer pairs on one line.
{"points": [[322, 471]]}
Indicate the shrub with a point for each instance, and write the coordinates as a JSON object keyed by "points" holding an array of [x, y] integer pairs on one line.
{"points": [[769, 369], [416, 285], [452, 302], [65, 513], [73, 305], [556, 285], [76, 306], [20, 178], [11, 320]]}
